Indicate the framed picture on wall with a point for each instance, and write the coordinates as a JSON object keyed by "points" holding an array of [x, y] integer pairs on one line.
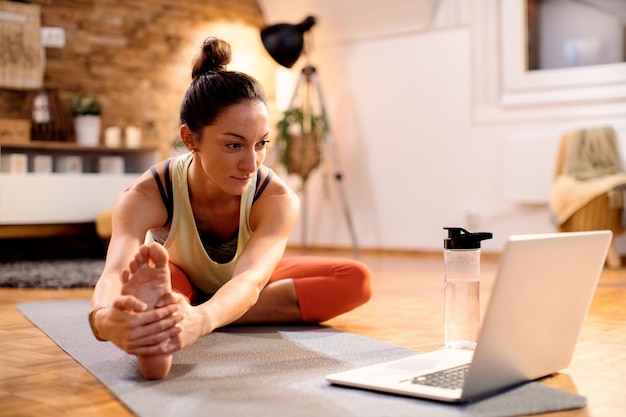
{"points": [[21, 56]]}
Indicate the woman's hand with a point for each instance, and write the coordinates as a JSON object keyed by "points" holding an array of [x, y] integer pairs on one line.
{"points": [[191, 326], [139, 332]]}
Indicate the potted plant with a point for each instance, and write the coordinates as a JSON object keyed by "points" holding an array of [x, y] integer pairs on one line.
{"points": [[299, 141], [86, 111]]}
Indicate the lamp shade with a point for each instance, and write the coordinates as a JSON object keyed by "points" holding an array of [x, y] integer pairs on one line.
{"points": [[284, 41]]}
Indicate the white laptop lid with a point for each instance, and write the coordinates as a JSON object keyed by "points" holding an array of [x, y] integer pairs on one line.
{"points": [[541, 296]]}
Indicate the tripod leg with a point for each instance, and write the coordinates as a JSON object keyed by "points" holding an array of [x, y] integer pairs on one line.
{"points": [[332, 151], [304, 216], [304, 206]]}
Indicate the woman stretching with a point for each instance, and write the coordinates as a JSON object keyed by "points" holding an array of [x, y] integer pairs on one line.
{"points": [[198, 240]]}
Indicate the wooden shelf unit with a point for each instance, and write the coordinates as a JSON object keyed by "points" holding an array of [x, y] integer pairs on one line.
{"points": [[63, 198]]}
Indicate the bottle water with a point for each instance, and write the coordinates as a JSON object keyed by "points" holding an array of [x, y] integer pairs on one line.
{"points": [[462, 287]]}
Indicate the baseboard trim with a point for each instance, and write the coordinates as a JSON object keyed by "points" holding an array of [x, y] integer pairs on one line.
{"points": [[349, 252]]}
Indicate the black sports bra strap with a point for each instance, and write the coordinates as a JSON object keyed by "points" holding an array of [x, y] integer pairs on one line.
{"points": [[261, 188], [168, 180], [166, 193]]}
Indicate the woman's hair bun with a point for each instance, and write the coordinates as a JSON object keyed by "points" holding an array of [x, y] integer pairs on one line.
{"points": [[214, 56]]}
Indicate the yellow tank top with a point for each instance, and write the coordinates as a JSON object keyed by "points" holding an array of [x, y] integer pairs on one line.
{"points": [[183, 242]]}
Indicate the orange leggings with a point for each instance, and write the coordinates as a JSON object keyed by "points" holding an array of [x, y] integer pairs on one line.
{"points": [[325, 286]]}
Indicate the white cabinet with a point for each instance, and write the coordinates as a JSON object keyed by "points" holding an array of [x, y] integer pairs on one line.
{"points": [[67, 197]]}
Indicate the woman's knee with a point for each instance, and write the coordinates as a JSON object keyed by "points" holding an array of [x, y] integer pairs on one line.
{"points": [[360, 280]]}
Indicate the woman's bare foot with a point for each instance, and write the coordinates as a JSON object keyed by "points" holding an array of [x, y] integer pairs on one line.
{"points": [[148, 278], [148, 275]]}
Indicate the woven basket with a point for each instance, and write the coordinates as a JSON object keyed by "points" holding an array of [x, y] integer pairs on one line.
{"points": [[303, 154]]}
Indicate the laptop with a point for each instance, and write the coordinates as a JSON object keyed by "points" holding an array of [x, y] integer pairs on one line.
{"points": [[540, 298]]}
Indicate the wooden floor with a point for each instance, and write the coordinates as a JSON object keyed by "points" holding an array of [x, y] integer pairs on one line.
{"points": [[38, 379]]}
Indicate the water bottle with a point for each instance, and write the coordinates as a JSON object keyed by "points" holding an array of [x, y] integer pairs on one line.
{"points": [[461, 287]]}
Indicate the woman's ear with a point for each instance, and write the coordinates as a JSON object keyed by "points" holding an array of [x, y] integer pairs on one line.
{"points": [[188, 138]]}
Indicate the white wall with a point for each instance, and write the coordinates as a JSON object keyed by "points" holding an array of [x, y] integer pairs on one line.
{"points": [[413, 155]]}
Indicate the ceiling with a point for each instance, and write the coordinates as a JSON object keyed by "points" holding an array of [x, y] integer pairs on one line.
{"points": [[350, 20], [341, 21]]}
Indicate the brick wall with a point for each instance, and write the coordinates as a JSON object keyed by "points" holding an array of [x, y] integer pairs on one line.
{"points": [[135, 55]]}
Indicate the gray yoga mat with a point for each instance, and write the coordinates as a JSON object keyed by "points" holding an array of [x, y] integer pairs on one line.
{"points": [[265, 371]]}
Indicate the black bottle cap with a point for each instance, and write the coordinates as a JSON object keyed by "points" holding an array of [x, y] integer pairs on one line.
{"points": [[459, 238]]}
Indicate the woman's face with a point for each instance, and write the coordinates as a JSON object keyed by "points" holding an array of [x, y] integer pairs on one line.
{"points": [[233, 148]]}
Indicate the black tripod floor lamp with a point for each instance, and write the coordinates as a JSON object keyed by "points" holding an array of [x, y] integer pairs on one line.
{"points": [[285, 43]]}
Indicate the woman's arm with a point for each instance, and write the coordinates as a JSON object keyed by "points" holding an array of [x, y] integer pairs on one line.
{"points": [[115, 317], [272, 217], [137, 209]]}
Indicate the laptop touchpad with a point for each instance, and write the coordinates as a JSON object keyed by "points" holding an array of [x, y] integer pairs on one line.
{"points": [[414, 364]]}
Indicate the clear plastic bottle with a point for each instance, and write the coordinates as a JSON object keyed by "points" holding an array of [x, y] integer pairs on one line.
{"points": [[462, 287]]}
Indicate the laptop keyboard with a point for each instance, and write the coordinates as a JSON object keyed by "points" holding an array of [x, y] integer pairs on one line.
{"points": [[448, 378]]}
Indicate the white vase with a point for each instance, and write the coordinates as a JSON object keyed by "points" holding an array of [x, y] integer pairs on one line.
{"points": [[87, 128]]}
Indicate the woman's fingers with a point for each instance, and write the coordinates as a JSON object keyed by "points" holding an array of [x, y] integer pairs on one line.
{"points": [[155, 344], [129, 303], [153, 327], [169, 298], [139, 331]]}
